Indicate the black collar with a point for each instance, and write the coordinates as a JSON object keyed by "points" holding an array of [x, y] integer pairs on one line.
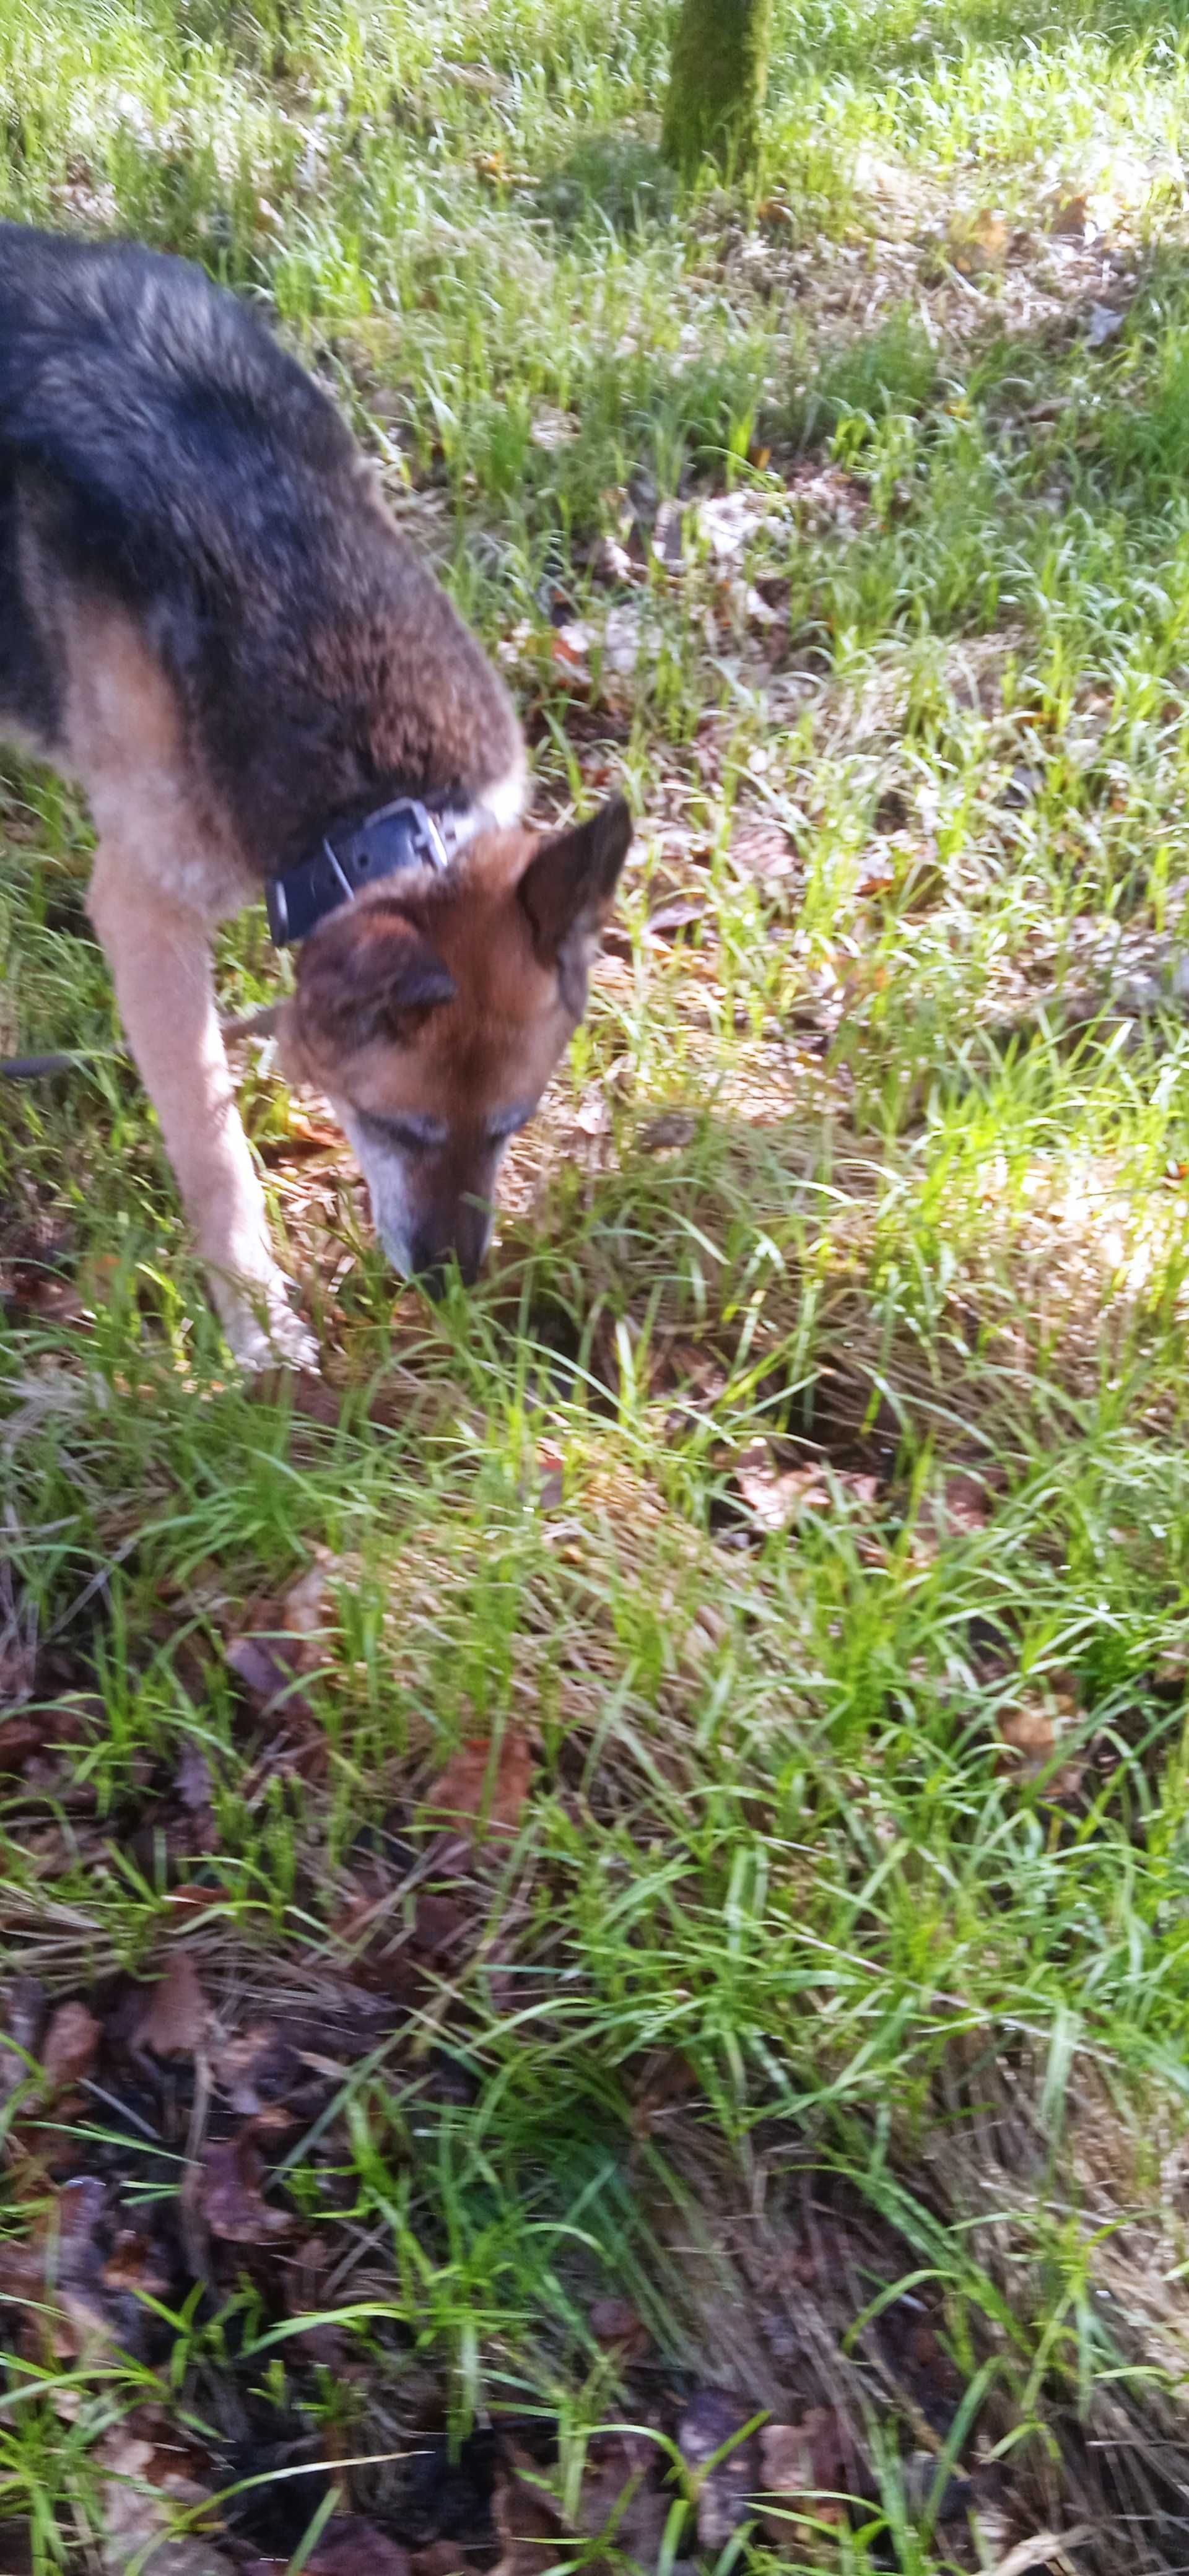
{"points": [[407, 833]]}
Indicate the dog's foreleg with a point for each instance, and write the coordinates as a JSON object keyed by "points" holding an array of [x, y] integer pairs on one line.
{"points": [[161, 962]]}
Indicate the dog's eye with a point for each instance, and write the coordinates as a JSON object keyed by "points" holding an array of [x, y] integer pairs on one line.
{"points": [[509, 1122], [412, 1137]]}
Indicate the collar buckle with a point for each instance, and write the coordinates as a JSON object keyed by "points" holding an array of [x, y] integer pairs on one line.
{"points": [[405, 833]]}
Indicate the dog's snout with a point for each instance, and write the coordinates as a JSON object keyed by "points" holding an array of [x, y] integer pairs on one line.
{"points": [[436, 1253], [434, 1211]]}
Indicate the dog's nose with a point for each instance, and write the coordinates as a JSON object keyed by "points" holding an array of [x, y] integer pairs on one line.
{"points": [[434, 1268], [433, 1276]]}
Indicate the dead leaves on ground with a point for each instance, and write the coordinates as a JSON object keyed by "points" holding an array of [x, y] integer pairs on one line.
{"points": [[176, 2013], [349, 2547], [1032, 1735], [282, 1644], [230, 2195], [777, 1497], [484, 1787]]}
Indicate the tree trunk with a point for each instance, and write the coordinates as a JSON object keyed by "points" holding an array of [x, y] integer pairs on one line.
{"points": [[717, 84]]}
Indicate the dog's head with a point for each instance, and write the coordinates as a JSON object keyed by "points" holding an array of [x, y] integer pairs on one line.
{"points": [[432, 1017]]}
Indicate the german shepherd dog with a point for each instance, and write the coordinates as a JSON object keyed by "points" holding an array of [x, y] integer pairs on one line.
{"points": [[209, 620]]}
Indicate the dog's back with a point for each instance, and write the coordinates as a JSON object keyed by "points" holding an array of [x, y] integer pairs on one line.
{"points": [[160, 452]]}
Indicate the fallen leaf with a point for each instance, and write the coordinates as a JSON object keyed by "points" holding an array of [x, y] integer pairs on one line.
{"points": [[143, 2493], [1048, 2549], [552, 429], [192, 1779], [592, 1117], [21, 1737], [1071, 219], [723, 2461], [264, 1674], [623, 2500], [728, 522], [1029, 1729], [176, 2013], [809, 2461], [283, 1641], [304, 1605], [257, 2068], [611, 562], [57, 2277], [528, 2522], [571, 645], [978, 245], [71, 2046], [1104, 324], [615, 2324], [230, 2197], [622, 640], [669, 918], [486, 1783], [351, 2548], [302, 1137]]}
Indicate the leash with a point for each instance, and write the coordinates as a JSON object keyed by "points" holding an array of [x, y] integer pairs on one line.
{"points": [[37, 1068]]}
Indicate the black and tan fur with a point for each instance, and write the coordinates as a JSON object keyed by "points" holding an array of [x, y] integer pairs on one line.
{"points": [[208, 618]]}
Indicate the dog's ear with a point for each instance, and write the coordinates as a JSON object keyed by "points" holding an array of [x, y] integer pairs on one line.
{"points": [[569, 885], [368, 973]]}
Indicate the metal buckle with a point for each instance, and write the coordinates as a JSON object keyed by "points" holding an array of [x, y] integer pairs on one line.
{"points": [[428, 839]]}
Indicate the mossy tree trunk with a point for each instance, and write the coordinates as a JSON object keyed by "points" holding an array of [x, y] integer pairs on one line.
{"points": [[717, 84]]}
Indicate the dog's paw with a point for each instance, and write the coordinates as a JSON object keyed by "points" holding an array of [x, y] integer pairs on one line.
{"points": [[268, 1335]]}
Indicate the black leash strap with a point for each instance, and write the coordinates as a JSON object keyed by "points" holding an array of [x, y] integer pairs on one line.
{"points": [[39, 1068]]}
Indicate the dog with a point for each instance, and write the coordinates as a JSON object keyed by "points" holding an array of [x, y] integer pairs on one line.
{"points": [[210, 621]]}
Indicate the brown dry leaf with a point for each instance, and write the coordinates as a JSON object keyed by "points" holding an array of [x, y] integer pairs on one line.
{"points": [[71, 2046], [979, 245], [486, 1783], [303, 1136], [615, 2324], [1029, 1729], [528, 2523], [256, 2067], [21, 1737], [1072, 217], [571, 646], [1031, 1732], [351, 2548], [57, 2275], [776, 1497], [265, 1672], [192, 1780], [143, 2493], [723, 2459], [176, 2012], [304, 1605], [623, 2499], [230, 2196], [809, 2464]]}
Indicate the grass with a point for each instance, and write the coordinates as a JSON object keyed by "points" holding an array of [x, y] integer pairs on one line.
{"points": [[805, 1486]]}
